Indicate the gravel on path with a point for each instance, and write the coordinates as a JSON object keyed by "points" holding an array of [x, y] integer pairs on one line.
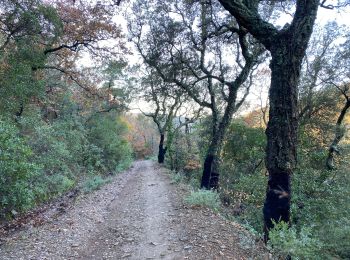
{"points": [[140, 214]]}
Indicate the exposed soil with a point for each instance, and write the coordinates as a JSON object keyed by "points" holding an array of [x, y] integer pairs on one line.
{"points": [[139, 215]]}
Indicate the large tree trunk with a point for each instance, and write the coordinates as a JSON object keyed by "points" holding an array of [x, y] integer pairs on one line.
{"points": [[162, 150], [339, 133], [210, 177], [287, 47], [281, 132]]}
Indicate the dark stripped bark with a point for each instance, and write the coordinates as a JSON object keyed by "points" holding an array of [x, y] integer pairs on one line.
{"points": [[207, 171], [339, 133], [162, 150], [210, 176], [281, 151], [287, 47]]}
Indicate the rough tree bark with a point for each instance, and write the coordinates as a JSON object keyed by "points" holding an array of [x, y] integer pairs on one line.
{"points": [[162, 149], [287, 47], [281, 132]]}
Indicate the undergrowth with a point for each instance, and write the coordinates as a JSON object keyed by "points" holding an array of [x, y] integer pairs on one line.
{"points": [[94, 183], [204, 198]]}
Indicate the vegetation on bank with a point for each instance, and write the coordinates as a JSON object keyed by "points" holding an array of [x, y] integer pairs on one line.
{"points": [[319, 207], [41, 160], [61, 124]]}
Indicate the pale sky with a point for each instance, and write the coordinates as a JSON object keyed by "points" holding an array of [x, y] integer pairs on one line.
{"points": [[323, 16]]}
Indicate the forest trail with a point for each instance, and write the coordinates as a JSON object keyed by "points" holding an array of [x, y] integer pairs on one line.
{"points": [[138, 215]]}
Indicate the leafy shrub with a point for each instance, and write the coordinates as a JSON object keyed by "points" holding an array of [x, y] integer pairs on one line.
{"points": [[286, 241], [204, 198], [16, 170], [107, 133], [123, 165], [93, 183], [93, 155], [64, 152], [242, 174], [57, 146], [177, 177], [244, 144], [58, 184], [195, 180], [319, 207], [321, 201], [151, 157]]}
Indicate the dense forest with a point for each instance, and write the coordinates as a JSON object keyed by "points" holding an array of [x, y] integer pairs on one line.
{"points": [[244, 100]]}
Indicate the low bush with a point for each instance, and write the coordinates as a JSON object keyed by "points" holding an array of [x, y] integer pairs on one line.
{"points": [[124, 164], [177, 177], [288, 242], [40, 159], [204, 198], [93, 183], [319, 206]]}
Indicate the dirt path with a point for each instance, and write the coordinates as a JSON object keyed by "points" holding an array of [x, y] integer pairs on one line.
{"points": [[139, 224], [139, 215]]}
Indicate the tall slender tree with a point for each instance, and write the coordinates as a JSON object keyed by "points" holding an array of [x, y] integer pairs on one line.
{"points": [[338, 76]]}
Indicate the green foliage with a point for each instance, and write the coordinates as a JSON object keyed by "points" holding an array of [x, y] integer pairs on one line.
{"points": [[16, 170], [33, 24], [106, 132], [321, 201], [243, 179], [40, 160], [59, 140], [285, 241], [182, 157], [251, 141], [244, 147], [17, 83], [320, 205], [151, 157], [124, 164], [177, 177], [205, 198], [94, 183], [57, 184], [92, 155], [44, 155]]}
